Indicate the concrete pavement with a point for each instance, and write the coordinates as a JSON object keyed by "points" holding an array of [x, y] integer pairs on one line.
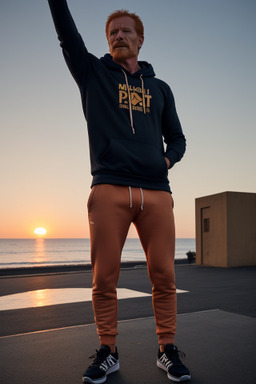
{"points": [[216, 329]]}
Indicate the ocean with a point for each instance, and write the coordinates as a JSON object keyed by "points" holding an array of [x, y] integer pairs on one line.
{"points": [[16, 253]]}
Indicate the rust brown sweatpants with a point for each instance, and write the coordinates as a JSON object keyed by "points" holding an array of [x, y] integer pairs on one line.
{"points": [[111, 210]]}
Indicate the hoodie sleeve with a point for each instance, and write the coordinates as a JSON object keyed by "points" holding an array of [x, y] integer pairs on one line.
{"points": [[74, 50], [172, 132]]}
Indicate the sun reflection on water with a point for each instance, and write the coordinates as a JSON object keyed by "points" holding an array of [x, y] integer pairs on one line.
{"points": [[40, 253], [40, 298]]}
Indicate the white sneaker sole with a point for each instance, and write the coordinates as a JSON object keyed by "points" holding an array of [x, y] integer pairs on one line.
{"points": [[173, 378], [101, 380]]}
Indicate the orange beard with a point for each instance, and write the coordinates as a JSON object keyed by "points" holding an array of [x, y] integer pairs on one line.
{"points": [[122, 51]]}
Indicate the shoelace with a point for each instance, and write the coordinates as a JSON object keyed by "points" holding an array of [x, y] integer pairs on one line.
{"points": [[175, 356], [98, 357]]}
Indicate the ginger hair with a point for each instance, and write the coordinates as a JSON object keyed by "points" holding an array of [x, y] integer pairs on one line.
{"points": [[123, 12]]}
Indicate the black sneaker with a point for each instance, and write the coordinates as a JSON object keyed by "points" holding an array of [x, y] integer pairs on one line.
{"points": [[103, 364], [169, 361]]}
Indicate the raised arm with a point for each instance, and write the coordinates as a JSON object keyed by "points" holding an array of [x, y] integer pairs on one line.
{"points": [[73, 47]]}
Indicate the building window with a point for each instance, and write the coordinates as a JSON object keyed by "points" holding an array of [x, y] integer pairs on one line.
{"points": [[207, 225]]}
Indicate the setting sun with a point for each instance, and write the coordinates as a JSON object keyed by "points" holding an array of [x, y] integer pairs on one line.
{"points": [[40, 231]]}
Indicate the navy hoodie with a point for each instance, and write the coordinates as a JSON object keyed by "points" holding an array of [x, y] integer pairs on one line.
{"points": [[129, 116]]}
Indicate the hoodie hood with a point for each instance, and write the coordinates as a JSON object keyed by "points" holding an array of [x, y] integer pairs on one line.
{"points": [[146, 69]]}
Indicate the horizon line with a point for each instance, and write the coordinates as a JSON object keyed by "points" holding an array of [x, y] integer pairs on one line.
{"points": [[70, 238]]}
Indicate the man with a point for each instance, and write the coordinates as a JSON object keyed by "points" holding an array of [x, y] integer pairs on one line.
{"points": [[129, 112]]}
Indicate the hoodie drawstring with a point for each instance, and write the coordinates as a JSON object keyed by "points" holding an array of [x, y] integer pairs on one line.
{"points": [[130, 102], [142, 198], [143, 94], [130, 99]]}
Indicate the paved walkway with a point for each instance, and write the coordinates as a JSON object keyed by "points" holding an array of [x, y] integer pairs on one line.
{"points": [[216, 329]]}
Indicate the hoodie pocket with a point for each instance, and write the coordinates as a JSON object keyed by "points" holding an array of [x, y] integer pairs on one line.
{"points": [[135, 159]]}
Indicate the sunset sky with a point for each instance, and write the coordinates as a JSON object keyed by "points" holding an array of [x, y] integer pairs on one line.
{"points": [[204, 49]]}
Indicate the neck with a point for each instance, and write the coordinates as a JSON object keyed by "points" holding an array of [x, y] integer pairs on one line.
{"points": [[131, 65]]}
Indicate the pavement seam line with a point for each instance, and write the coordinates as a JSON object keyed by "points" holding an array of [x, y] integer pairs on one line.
{"points": [[93, 324]]}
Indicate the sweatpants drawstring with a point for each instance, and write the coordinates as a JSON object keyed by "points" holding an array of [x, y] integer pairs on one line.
{"points": [[142, 198], [130, 193]]}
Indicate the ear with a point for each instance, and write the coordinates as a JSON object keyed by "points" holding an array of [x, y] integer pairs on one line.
{"points": [[141, 41]]}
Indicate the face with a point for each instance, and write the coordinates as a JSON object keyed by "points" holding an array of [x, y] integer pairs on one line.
{"points": [[123, 40]]}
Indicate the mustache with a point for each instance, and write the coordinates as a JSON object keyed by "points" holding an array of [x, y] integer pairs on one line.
{"points": [[117, 45]]}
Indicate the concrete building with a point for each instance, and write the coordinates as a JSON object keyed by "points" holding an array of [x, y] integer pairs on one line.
{"points": [[226, 229]]}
